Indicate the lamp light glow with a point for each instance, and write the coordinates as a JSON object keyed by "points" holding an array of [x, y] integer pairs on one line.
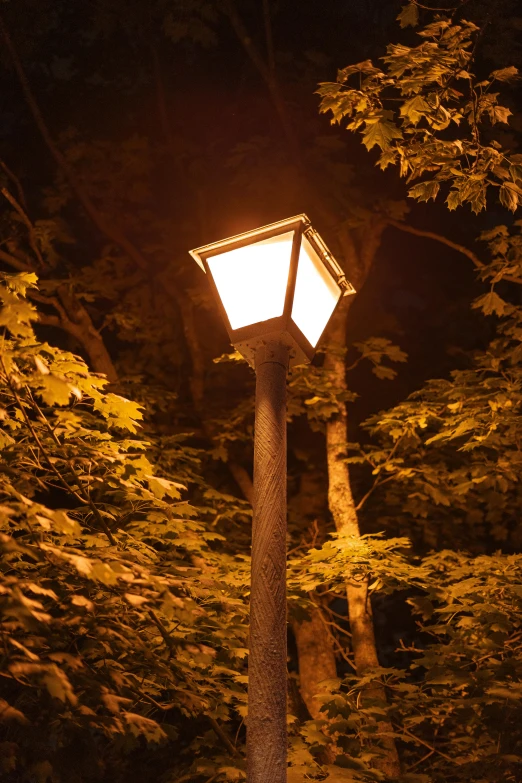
{"points": [[316, 294], [252, 280]]}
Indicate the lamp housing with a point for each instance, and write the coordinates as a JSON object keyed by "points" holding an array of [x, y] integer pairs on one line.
{"points": [[277, 283]]}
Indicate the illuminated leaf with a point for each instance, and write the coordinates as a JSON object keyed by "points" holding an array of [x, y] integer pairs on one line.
{"points": [[380, 133], [135, 600], [423, 191], [490, 303], [509, 197], [119, 412], [500, 114], [415, 108], [54, 390]]}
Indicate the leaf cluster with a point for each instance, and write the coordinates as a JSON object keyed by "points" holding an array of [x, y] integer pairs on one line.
{"points": [[429, 114]]}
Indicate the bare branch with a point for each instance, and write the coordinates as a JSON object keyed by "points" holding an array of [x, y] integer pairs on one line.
{"points": [[30, 228], [219, 731], [423, 742], [477, 263], [16, 182], [15, 262]]}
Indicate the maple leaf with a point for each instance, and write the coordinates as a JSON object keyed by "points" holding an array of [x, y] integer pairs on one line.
{"points": [[499, 114], [54, 390], [409, 16], [380, 133], [415, 108], [490, 303], [509, 196], [423, 191], [119, 412]]}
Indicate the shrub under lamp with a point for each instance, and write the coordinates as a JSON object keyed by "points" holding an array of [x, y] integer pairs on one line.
{"points": [[276, 287]]}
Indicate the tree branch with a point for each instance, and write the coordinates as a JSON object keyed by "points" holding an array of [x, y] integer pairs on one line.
{"points": [[79, 324], [81, 493], [50, 320], [268, 76], [477, 263], [269, 38], [80, 327], [16, 182], [30, 228], [107, 229], [426, 744], [161, 628], [219, 731], [15, 262], [64, 320], [372, 489]]}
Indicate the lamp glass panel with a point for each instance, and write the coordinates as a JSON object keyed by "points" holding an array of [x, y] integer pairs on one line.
{"points": [[252, 280], [316, 294]]}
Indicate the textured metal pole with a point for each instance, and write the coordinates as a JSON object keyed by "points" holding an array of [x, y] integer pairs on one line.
{"points": [[266, 725]]}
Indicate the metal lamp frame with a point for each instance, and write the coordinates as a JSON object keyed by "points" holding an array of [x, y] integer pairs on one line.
{"points": [[282, 329]]}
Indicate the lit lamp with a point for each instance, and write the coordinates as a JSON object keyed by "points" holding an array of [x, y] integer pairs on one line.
{"points": [[277, 287]]}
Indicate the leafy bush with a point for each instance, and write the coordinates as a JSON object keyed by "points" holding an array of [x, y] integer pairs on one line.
{"points": [[121, 617]]}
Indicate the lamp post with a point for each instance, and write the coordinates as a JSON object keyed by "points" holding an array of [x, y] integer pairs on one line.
{"points": [[276, 287]]}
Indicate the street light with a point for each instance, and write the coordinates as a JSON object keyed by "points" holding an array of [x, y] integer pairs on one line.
{"points": [[277, 287]]}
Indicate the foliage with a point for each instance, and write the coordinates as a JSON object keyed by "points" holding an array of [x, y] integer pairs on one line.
{"points": [[455, 703], [429, 114], [125, 551], [448, 458], [314, 390], [122, 614], [445, 462]]}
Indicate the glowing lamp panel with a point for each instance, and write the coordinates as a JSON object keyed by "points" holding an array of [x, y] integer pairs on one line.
{"points": [[316, 294], [252, 280]]}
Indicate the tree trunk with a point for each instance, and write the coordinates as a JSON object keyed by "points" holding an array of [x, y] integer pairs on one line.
{"points": [[78, 322], [315, 645], [342, 508], [316, 660]]}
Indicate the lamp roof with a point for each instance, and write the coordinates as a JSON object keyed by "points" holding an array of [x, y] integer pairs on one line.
{"points": [[274, 228]]}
